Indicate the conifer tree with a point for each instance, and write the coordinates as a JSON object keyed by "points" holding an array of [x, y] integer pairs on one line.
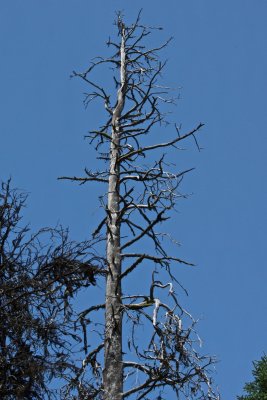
{"points": [[142, 188], [40, 273], [257, 389]]}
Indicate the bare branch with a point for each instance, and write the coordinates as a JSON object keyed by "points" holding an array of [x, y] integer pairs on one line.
{"points": [[82, 180], [159, 145]]}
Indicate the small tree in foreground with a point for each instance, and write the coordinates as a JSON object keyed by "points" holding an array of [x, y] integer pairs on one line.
{"points": [[257, 390], [142, 190]]}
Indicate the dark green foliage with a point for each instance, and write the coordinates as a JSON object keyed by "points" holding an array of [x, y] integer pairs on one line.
{"points": [[257, 390]]}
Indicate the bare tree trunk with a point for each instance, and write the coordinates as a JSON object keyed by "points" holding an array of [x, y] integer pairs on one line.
{"points": [[141, 195], [113, 375]]}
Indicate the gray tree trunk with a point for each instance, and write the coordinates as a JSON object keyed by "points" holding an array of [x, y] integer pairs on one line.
{"points": [[113, 374], [141, 195]]}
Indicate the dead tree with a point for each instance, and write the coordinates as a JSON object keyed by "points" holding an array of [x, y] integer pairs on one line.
{"points": [[142, 190], [39, 276]]}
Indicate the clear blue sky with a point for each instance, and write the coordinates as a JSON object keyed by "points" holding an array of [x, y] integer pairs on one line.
{"points": [[219, 58]]}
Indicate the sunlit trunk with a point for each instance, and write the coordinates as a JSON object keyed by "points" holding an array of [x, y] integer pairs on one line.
{"points": [[113, 374]]}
